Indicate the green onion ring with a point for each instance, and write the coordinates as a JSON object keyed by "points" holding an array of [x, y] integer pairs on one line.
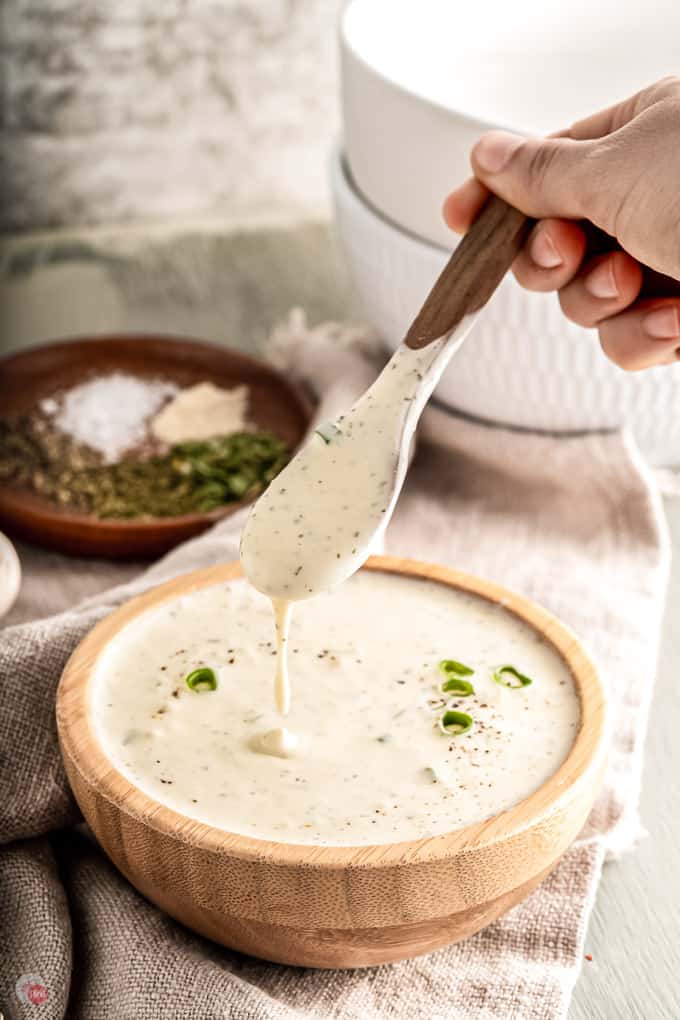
{"points": [[454, 685], [498, 675], [449, 666], [455, 724], [201, 679]]}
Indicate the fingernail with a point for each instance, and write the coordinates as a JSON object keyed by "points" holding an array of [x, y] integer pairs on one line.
{"points": [[543, 251], [494, 150], [662, 323], [601, 283]]}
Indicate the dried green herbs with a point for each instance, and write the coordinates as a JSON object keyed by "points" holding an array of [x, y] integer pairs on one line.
{"points": [[193, 477]]}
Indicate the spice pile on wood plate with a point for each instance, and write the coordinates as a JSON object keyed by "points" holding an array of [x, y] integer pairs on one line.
{"points": [[108, 413], [118, 446]]}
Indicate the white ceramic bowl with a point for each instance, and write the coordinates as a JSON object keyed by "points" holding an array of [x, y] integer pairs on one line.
{"points": [[422, 79], [10, 575], [523, 364]]}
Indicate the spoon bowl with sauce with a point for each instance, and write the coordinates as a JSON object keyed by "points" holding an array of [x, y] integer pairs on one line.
{"points": [[321, 517], [445, 761]]}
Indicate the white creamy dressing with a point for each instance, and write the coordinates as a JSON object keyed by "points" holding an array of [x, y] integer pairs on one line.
{"points": [[280, 742], [283, 612], [318, 520], [371, 765], [320, 517]]}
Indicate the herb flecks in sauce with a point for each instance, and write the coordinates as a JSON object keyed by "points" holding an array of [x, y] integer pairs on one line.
{"points": [[344, 483], [346, 699], [328, 432]]}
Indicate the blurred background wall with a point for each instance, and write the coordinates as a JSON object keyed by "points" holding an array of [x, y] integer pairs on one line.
{"points": [[128, 110], [165, 167]]}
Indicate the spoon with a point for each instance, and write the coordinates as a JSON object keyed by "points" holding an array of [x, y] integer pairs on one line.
{"points": [[322, 515]]}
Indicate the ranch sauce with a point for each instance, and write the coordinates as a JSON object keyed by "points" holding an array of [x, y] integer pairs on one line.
{"points": [[370, 764], [318, 520]]}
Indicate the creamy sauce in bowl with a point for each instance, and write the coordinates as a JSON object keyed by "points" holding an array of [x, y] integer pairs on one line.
{"points": [[365, 760]]}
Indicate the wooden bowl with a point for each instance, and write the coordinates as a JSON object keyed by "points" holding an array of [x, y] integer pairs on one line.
{"points": [[331, 906], [26, 377]]}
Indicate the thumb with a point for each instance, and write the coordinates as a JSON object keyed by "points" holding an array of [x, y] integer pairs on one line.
{"points": [[540, 176]]}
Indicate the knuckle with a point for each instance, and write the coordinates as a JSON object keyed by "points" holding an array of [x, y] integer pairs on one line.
{"points": [[603, 201], [530, 276], [663, 89], [612, 351], [629, 356], [575, 309], [667, 87], [588, 176], [536, 280], [541, 160], [668, 114], [523, 272]]}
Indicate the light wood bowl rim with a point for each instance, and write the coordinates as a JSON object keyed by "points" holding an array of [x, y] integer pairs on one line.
{"points": [[79, 743]]}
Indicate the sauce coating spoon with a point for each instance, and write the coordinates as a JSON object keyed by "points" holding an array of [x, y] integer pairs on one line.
{"points": [[321, 516]]}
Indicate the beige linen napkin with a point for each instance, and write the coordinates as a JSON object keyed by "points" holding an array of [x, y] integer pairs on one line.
{"points": [[573, 522]]}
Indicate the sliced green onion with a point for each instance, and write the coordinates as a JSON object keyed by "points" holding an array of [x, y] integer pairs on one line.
{"points": [[328, 431], [448, 666], [202, 679], [454, 685], [431, 774], [500, 677], [454, 724]]}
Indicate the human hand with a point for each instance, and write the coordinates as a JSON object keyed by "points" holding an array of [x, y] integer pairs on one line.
{"points": [[619, 170]]}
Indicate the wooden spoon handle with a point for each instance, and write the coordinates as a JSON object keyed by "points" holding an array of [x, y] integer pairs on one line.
{"points": [[473, 272]]}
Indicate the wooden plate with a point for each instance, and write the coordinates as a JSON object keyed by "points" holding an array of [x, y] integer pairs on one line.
{"points": [[332, 906], [28, 376]]}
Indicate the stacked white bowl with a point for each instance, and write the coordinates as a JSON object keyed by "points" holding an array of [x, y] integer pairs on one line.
{"points": [[422, 79]]}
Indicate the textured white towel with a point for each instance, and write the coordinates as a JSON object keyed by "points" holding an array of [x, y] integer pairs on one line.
{"points": [[574, 523]]}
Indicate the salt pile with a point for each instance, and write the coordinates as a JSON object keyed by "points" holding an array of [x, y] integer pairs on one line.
{"points": [[110, 413]]}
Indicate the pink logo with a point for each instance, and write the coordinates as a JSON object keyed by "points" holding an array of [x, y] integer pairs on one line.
{"points": [[31, 990]]}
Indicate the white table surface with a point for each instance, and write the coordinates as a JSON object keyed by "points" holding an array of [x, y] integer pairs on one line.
{"points": [[634, 933]]}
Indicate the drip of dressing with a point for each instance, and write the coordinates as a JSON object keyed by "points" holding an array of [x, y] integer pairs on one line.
{"points": [[283, 611], [320, 518], [279, 742]]}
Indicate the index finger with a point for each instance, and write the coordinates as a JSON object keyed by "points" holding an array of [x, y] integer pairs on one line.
{"points": [[463, 206]]}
